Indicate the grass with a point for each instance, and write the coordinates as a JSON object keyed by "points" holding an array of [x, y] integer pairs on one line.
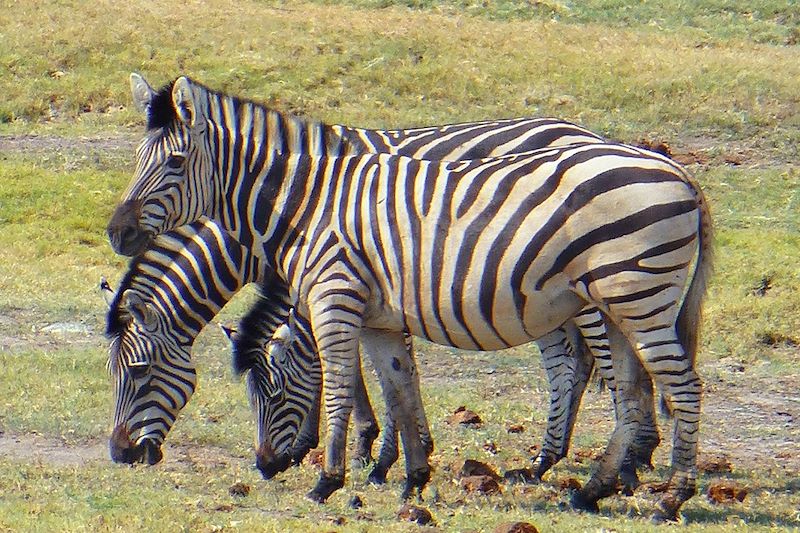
{"points": [[710, 78]]}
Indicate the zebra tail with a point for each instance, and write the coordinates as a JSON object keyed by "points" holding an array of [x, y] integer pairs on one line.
{"points": [[690, 315]]}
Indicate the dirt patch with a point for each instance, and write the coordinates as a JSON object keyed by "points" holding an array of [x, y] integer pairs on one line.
{"points": [[35, 448], [24, 329], [41, 144]]}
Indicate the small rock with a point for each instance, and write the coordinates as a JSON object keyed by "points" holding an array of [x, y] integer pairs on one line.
{"points": [[239, 489], [714, 463], [472, 467], [355, 502], [482, 484], [726, 492], [414, 513], [465, 417], [581, 455], [515, 428], [516, 527]]}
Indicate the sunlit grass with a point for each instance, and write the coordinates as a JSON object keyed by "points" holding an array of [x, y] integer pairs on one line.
{"points": [[399, 67], [714, 76]]}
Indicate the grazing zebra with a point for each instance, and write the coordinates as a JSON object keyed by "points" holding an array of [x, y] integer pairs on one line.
{"points": [[167, 296], [482, 254]]}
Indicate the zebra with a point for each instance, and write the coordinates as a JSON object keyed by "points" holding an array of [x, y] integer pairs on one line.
{"points": [[611, 225], [167, 296], [470, 140]]}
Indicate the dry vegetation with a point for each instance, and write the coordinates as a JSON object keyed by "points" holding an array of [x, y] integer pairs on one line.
{"points": [[716, 84]]}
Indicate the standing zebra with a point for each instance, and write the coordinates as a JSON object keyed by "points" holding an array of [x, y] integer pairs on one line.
{"points": [[476, 254], [168, 295], [567, 374], [265, 315]]}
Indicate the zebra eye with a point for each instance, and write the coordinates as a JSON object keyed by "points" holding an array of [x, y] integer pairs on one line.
{"points": [[175, 161], [139, 371]]}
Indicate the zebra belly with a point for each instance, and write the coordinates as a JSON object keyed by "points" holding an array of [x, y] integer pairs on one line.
{"points": [[467, 328]]}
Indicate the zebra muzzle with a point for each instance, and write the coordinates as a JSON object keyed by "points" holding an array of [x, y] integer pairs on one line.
{"points": [[126, 236], [124, 450], [270, 464]]}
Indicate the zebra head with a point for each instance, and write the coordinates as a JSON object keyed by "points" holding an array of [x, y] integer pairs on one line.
{"points": [[152, 374], [283, 382], [173, 178]]}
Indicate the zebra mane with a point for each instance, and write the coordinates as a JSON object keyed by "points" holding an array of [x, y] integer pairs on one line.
{"points": [[252, 336], [161, 114], [117, 317]]}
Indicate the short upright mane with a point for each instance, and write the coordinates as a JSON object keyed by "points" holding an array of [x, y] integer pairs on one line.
{"points": [[161, 112], [295, 131], [116, 321]]}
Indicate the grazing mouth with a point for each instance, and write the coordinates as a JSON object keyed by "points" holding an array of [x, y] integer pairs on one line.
{"points": [[275, 466], [147, 451]]}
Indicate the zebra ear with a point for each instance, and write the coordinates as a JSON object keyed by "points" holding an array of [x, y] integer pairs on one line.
{"points": [[142, 93], [184, 98], [231, 332], [141, 311], [107, 292]]}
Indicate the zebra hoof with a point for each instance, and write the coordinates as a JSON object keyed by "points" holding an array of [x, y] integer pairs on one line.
{"points": [[580, 502], [298, 455], [327, 485], [377, 476], [415, 483]]}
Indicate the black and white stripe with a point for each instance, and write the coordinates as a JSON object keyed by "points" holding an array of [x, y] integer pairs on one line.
{"points": [[477, 254]]}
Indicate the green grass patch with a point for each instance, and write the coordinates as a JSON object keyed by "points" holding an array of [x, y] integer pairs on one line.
{"points": [[398, 67], [714, 78]]}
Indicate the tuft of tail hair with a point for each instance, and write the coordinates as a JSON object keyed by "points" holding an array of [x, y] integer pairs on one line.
{"points": [[690, 315]]}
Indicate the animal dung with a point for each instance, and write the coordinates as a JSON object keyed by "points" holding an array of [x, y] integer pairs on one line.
{"points": [[465, 417], [414, 513]]}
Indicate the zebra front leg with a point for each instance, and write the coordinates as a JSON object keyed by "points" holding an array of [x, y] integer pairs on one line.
{"points": [[308, 438], [397, 374], [603, 481], [336, 320]]}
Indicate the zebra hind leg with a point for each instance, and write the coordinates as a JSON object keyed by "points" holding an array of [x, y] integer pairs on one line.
{"points": [[603, 481], [559, 365], [367, 429], [397, 373]]}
